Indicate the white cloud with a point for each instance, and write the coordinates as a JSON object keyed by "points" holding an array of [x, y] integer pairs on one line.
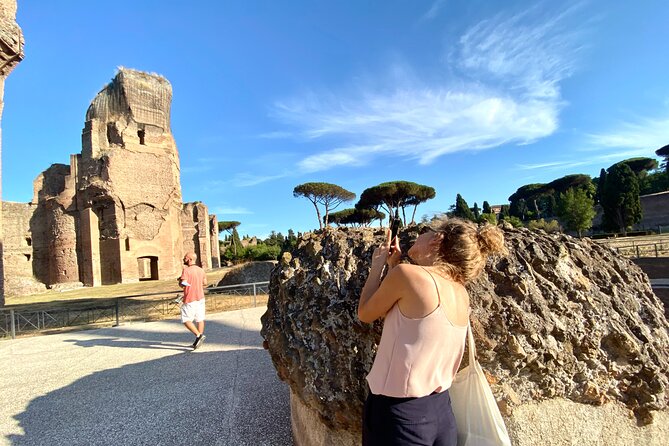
{"points": [[509, 93], [557, 165], [436, 6], [227, 210], [645, 134], [602, 160], [637, 138], [346, 156], [525, 51], [275, 135], [247, 179]]}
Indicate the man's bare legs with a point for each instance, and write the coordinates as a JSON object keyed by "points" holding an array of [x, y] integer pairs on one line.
{"points": [[196, 331]]}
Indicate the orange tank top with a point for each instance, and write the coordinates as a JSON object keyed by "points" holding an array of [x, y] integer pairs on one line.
{"points": [[417, 357]]}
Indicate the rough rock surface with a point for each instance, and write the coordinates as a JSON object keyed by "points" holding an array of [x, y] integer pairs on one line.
{"points": [[249, 273], [558, 318]]}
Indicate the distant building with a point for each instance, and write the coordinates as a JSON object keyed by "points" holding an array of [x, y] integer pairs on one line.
{"points": [[655, 212]]}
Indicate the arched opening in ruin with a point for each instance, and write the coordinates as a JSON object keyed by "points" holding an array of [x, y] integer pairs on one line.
{"points": [[147, 267], [108, 241], [113, 135]]}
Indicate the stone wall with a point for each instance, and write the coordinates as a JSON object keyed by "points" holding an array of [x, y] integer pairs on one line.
{"points": [[559, 323], [129, 175], [655, 209], [19, 248], [195, 225], [213, 237], [11, 53]]}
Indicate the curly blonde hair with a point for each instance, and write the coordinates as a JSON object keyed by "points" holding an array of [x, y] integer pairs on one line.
{"points": [[465, 247]]}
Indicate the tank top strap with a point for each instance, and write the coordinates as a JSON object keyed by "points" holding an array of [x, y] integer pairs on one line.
{"points": [[435, 284]]}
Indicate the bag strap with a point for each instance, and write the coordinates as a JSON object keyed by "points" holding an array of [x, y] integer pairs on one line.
{"points": [[470, 344]]}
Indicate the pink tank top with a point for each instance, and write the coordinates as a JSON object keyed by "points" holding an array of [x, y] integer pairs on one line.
{"points": [[416, 357]]}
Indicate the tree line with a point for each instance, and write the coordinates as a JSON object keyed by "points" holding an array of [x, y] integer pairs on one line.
{"points": [[233, 250], [375, 203], [569, 200]]}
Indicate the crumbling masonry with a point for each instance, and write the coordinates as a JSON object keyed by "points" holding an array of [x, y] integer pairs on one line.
{"points": [[115, 214], [11, 53]]}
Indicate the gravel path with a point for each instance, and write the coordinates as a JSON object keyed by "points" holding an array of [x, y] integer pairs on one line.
{"points": [[141, 384]]}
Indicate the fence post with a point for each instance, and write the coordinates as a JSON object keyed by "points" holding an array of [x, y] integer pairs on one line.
{"points": [[13, 324], [254, 295], [116, 309], [637, 252]]}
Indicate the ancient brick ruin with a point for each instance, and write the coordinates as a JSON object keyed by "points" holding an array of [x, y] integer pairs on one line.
{"points": [[11, 53], [115, 213]]}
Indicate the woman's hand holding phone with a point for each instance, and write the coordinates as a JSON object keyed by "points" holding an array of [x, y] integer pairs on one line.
{"points": [[395, 252]]}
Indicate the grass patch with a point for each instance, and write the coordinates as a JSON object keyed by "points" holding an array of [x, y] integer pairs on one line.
{"points": [[165, 288]]}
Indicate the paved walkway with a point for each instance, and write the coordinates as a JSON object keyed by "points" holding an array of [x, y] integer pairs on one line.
{"points": [[659, 283], [139, 384]]}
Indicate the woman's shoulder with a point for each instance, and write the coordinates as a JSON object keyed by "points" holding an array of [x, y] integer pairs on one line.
{"points": [[437, 275], [411, 272], [405, 269]]}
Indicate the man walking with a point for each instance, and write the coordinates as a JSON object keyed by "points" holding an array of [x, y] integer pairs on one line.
{"points": [[193, 281]]}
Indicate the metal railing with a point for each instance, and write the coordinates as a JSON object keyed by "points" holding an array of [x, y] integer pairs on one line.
{"points": [[42, 318], [637, 250]]}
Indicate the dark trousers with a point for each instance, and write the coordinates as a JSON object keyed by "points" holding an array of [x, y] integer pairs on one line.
{"points": [[424, 421]]}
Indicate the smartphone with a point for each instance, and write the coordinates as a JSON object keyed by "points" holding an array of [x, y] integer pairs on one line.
{"points": [[395, 226]]}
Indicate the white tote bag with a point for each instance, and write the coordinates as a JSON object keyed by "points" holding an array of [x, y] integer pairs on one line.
{"points": [[476, 413]]}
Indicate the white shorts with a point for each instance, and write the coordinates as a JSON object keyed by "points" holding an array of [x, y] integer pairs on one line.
{"points": [[193, 311]]}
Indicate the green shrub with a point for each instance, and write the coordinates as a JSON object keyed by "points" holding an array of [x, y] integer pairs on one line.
{"points": [[262, 251], [490, 218], [229, 254], [515, 221], [548, 226]]}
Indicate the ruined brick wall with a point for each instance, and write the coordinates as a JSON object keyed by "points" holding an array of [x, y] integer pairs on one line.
{"points": [[655, 210], [54, 225], [18, 258], [129, 176], [195, 225], [213, 236], [18, 252], [11, 53], [114, 214]]}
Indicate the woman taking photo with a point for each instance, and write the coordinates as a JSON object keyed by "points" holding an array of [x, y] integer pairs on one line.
{"points": [[425, 307]]}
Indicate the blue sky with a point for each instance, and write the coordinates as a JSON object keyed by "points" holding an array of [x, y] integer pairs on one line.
{"points": [[471, 97]]}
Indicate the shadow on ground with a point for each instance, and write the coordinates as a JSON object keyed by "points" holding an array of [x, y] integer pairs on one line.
{"points": [[230, 397], [179, 339]]}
